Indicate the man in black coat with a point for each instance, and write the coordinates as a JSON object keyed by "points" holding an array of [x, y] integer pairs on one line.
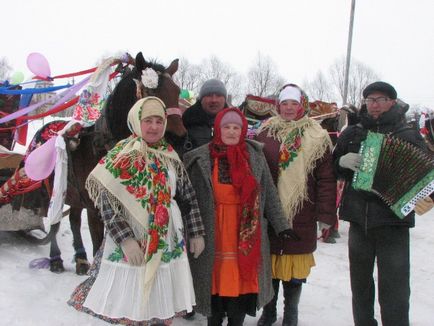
{"points": [[199, 118], [375, 231]]}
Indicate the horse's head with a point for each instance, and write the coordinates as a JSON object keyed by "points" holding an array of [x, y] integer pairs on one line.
{"points": [[146, 79]]}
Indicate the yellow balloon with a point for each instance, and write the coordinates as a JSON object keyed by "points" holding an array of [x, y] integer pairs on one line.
{"points": [[17, 77]]}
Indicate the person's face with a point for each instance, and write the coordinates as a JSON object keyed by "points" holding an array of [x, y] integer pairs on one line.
{"points": [[213, 103], [289, 109], [377, 103], [231, 134], [152, 129]]}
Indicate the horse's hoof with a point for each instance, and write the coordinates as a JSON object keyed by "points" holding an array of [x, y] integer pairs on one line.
{"points": [[81, 266], [56, 266]]}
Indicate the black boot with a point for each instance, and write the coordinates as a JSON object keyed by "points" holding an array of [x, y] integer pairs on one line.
{"points": [[215, 319], [269, 312], [236, 320], [291, 292]]}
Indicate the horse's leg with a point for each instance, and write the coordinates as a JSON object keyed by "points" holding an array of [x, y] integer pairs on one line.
{"points": [[96, 228], [80, 257], [56, 262]]}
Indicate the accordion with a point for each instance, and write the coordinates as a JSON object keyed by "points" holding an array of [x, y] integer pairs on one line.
{"points": [[396, 171]]}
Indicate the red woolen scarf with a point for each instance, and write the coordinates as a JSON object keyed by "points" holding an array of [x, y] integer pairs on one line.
{"points": [[249, 243]]}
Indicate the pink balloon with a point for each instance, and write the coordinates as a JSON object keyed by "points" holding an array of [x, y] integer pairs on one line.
{"points": [[38, 65], [40, 163]]}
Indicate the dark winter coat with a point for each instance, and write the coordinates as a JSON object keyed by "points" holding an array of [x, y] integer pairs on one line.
{"points": [[198, 165], [363, 208], [199, 125], [321, 205]]}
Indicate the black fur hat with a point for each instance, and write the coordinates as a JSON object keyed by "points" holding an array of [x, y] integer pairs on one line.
{"points": [[380, 87]]}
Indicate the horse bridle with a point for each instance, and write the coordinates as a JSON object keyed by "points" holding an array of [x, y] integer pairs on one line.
{"points": [[142, 91]]}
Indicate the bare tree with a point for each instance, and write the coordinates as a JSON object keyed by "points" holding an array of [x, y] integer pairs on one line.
{"points": [[320, 88], [360, 76], [188, 76], [5, 68], [215, 68], [263, 78]]}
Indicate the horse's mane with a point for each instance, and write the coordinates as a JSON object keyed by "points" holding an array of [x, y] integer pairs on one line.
{"points": [[124, 96]]}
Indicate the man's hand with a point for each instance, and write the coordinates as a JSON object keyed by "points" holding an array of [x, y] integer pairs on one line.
{"points": [[424, 205], [197, 245], [351, 161], [132, 250]]}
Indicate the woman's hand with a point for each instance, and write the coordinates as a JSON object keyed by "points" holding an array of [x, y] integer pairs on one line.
{"points": [[289, 234], [197, 245], [131, 249]]}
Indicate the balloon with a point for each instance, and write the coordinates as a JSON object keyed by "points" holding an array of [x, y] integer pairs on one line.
{"points": [[38, 65], [184, 93], [40, 163], [17, 77]]}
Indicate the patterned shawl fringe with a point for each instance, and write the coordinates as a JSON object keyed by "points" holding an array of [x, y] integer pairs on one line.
{"points": [[96, 189]]}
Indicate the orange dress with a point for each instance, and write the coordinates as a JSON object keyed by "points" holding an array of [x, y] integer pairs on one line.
{"points": [[226, 280]]}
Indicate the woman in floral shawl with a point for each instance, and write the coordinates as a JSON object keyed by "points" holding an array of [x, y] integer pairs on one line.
{"points": [[298, 152], [237, 200], [141, 274]]}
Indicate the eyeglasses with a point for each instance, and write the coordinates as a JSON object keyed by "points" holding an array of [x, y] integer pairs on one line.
{"points": [[379, 100]]}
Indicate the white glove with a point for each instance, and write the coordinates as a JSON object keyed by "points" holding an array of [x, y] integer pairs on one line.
{"points": [[197, 245], [423, 205], [351, 161], [132, 250]]}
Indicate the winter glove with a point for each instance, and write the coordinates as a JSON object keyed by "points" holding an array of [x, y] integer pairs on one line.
{"points": [[423, 205], [131, 249], [351, 161], [289, 234], [197, 245]]}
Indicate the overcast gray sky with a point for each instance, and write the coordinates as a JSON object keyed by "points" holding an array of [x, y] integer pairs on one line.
{"points": [[393, 37]]}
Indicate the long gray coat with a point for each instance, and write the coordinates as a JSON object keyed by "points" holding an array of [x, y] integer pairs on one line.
{"points": [[198, 165]]}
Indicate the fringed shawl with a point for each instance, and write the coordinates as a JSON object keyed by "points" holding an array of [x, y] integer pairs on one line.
{"points": [[303, 142]]}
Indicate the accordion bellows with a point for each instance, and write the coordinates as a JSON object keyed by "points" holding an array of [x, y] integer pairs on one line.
{"points": [[396, 171]]}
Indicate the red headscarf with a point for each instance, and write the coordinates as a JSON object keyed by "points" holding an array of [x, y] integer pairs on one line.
{"points": [[242, 179]]}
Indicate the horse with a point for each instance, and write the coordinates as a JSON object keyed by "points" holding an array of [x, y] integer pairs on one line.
{"points": [[95, 141]]}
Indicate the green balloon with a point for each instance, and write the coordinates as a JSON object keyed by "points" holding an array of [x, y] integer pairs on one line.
{"points": [[17, 77], [184, 93]]}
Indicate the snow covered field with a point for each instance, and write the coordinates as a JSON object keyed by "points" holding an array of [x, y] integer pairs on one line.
{"points": [[38, 297]]}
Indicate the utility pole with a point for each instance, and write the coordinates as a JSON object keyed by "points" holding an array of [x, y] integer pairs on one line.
{"points": [[348, 60], [343, 116]]}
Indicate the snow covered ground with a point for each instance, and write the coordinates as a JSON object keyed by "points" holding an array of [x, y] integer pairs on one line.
{"points": [[38, 297]]}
